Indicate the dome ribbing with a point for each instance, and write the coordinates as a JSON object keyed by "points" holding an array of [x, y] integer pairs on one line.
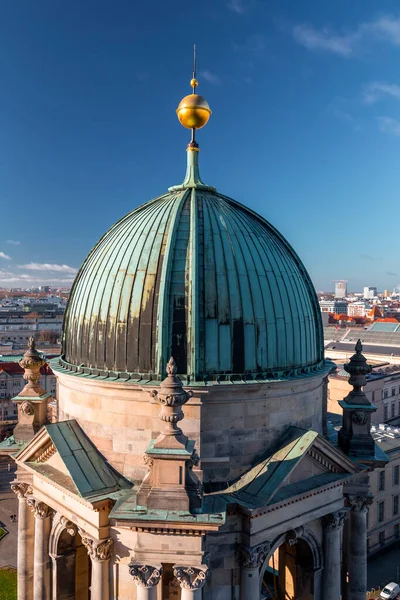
{"points": [[198, 276]]}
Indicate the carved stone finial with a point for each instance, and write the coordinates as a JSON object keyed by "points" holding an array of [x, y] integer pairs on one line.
{"points": [[334, 520], [252, 557], [98, 550], [358, 368], [145, 576], [32, 362], [171, 396], [21, 489], [191, 578], [40, 509], [171, 369]]}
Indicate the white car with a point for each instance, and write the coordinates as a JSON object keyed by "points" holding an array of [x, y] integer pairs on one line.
{"points": [[390, 591]]}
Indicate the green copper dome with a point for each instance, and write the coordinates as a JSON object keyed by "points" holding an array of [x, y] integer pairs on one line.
{"points": [[198, 276]]}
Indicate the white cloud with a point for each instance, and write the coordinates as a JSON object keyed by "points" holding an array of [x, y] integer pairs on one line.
{"points": [[49, 267], [375, 90], [210, 77], [24, 280], [5, 256], [13, 242], [237, 6], [389, 125], [384, 29]]}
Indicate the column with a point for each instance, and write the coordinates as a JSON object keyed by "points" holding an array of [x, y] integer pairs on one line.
{"points": [[357, 547], [41, 557], [26, 525], [251, 560], [147, 578], [191, 580], [64, 575], [100, 554], [333, 525]]}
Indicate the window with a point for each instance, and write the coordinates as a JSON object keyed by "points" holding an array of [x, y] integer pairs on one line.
{"points": [[392, 410], [396, 531], [393, 391], [381, 538], [385, 393], [381, 511], [396, 474], [3, 383], [381, 484], [385, 412], [395, 505]]}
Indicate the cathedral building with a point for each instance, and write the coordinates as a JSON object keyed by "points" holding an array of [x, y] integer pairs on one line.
{"points": [[191, 457]]}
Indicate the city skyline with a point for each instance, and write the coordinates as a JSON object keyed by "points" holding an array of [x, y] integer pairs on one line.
{"points": [[87, 115]]}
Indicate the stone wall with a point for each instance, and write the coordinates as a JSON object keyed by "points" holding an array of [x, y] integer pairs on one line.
{"points": [[231, 424]]}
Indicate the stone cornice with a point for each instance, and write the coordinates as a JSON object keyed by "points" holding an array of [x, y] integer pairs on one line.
{"points": [[163, 528]]}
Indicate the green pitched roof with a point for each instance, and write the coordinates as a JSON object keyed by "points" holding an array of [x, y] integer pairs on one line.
{"points": [[91, 474]]}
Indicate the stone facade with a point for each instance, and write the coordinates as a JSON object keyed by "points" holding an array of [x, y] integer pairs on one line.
{"points": [[230, 424]]}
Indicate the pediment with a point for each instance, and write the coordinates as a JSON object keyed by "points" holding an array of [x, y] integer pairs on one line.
{"points": [[302, 461], [63, 454]]}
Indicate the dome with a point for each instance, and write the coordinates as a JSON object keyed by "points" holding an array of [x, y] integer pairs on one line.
{"points": [[198, 276]]}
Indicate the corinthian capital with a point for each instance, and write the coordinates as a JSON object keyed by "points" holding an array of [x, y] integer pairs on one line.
{"points": [[190, 578], [40, 509], [334, 520], [145, 576], [251, 557], [359, 503], [98, 550], [21, 489]]}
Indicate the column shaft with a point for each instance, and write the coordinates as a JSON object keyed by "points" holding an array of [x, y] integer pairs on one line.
{"points": [[100, 588], [332, 561], [191, 594], [26, 526], [143, 593], [42, 564], [357, 555], [250, 583]]}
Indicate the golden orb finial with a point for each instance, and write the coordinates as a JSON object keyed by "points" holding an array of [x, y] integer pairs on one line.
{"points": [[193, 110]]}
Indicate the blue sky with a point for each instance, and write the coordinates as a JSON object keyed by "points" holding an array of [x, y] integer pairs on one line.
{"points": [[305, 126]]}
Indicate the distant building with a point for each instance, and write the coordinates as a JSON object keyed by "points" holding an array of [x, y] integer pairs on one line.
{"points": [[334, 306], [358, 309], [370, 292], [375, 313], [387, 294], [340, 289]]}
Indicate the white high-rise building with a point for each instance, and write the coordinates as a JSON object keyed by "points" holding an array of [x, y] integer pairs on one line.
{"points": [[370, 292], [340, 289]]}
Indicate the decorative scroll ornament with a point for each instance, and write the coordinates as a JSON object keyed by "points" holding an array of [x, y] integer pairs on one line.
{"points": [[172, 397], [21, 489], [40, 509], [293, 536], [145, 576], [191, 578], [254, 557], [97, 550], [359, 503], [359, 417], [335, 520], [148, 460], [27, 408], [69, 526]]}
